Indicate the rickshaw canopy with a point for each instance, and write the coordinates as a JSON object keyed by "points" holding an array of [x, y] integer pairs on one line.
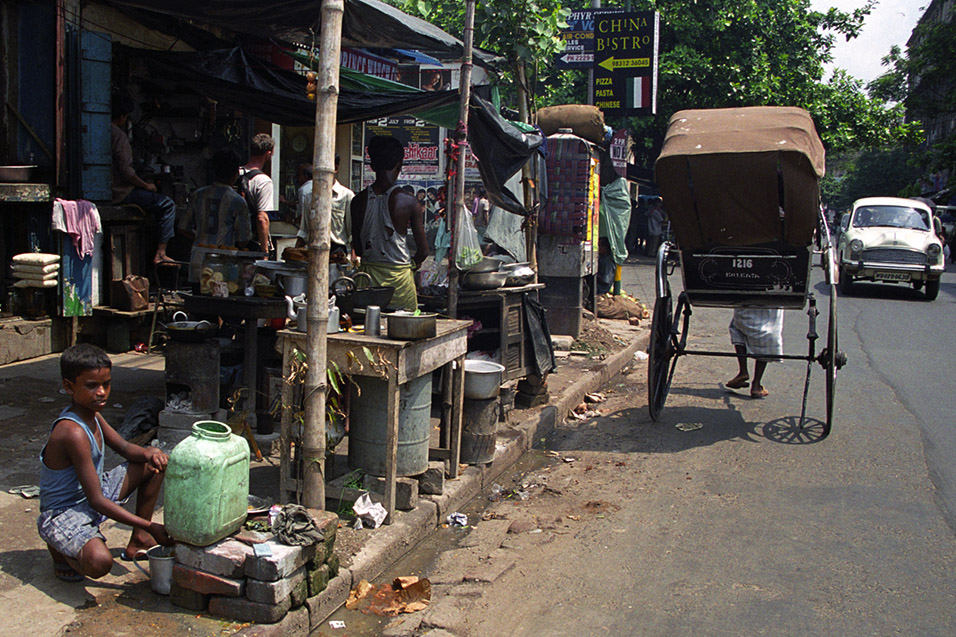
{"points": [[725, 175]]}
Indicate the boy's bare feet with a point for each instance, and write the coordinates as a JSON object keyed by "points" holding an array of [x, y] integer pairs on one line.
{"points": [[739, 381]]}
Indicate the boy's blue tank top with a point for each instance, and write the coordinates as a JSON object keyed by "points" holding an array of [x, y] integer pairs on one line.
{"points": [[61, 488]]}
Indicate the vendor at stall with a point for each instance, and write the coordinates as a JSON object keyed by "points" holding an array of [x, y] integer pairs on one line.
{"points": [[340, 229], [217, 215], [383, 214]]}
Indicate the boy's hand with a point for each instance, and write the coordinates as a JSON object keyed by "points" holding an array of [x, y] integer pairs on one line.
{"points": [[158, 531], [156, 460]]}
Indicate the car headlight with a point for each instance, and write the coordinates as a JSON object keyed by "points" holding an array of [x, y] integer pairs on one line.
{"points": [[856, 246], [933, 250]]}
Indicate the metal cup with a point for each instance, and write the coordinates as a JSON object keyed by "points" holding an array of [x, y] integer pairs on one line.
{"points": [[373, 320]]}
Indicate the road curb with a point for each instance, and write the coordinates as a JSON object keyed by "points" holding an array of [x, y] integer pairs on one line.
{"points": [[412, 527]]}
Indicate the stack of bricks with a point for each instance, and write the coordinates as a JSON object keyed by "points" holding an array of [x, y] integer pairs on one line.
{"points": [[228, 579]]}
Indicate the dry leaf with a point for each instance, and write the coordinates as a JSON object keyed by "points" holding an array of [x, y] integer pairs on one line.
{"points": [[404, 582]]}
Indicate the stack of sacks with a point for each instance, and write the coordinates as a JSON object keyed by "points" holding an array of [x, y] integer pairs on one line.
{"points": [[36, 270]]}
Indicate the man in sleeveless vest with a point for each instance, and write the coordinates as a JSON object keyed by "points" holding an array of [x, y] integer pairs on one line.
{"points": [[383, 214]]}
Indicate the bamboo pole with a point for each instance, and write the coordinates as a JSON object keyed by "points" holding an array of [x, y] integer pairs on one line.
{"points": [[317, 312], [458, 204], [531, 224]]}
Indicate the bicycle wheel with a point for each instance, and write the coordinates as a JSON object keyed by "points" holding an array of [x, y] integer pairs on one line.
{"points": [[660, 352], [832, 361]]}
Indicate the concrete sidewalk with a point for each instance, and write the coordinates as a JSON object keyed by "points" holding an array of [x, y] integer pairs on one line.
{"points": [[29, 402]]}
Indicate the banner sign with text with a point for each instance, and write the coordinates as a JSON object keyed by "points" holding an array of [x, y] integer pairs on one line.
{"points": [[422, 147], [625, 62], [579, 40]]}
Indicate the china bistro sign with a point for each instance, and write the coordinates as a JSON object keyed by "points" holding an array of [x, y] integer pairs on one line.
{"points": [[625, 62]]}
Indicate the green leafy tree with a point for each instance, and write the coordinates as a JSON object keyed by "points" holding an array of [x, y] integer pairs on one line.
{"points": [[872, 173], [524, 32], [924, 80], [713, 54]]}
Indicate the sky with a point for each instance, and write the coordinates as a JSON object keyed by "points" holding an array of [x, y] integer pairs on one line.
{"points": [[891, 22]]}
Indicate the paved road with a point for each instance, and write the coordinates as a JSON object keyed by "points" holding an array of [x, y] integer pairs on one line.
{"points": [[714, 520]]}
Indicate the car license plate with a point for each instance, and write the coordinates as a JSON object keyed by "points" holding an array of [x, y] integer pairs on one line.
{"points": [[892, 276]]}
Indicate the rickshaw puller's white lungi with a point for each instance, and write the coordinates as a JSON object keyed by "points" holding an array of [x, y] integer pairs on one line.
{"points": [[760, 330]]}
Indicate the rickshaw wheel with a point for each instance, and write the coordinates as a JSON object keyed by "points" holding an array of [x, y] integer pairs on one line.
{"points": [[833, 360], [660, 352]]}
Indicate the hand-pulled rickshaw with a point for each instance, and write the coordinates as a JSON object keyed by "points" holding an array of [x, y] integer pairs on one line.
{"points": [[741, 190]]}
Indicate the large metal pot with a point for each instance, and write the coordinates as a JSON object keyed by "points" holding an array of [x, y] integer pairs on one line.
{"points": [[483, 280], [482, 379], [405, 326]]}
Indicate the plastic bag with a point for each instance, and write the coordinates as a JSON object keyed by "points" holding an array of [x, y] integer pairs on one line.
{"points": [[467, 246]]}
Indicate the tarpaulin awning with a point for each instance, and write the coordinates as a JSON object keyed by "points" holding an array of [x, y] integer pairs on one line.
{"points": [[264, 90], [365, 23]]}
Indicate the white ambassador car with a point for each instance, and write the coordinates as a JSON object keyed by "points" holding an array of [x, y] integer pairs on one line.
{"points": [[891, 240]]}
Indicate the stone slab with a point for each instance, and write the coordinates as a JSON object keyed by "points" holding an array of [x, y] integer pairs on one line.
{"points": [[284, 561], [247, 610], [406, 491], [207, 583], [188, 599], [226, 558], [432, 482], [273, 592]]}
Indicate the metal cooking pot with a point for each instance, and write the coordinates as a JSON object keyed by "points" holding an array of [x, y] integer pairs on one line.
{"points": [[349, 298], [483, 280], [292, 284], [405, 326], [189, 331]]}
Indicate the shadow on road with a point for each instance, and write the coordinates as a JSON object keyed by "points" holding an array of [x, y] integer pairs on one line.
{"points": [[787, 430]]}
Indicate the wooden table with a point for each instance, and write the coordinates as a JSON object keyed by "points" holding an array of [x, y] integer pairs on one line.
{"points": [[249, 309], [404, 361]]}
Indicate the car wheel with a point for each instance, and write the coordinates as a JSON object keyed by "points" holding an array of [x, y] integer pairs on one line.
{"points": [[918, 285], [932, 290], [846, 282]]}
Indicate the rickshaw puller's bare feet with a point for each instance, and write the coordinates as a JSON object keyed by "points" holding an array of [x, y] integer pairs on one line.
{"points": [[758, 392], [739, 381]]}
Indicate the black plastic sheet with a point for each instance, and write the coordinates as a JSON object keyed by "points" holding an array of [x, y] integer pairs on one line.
{"points": [[501, 149], [542, 349]]}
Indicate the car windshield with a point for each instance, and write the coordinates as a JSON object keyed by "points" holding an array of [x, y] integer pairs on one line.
{"points": [[891, 217]]}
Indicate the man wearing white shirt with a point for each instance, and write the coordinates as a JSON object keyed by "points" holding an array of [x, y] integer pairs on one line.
{"points": [[341, 223]]}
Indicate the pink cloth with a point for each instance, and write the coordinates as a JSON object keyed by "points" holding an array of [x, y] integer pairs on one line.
{"points": [[81, 222]]}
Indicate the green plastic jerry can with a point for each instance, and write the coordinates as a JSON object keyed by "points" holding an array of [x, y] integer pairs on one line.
{"points": [[207, 485]]}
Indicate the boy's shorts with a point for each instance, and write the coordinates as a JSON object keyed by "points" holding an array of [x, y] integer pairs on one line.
{"points": [[68, 530]]}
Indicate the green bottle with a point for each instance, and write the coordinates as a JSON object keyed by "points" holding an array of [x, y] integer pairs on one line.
{"points": [[207, 485]]}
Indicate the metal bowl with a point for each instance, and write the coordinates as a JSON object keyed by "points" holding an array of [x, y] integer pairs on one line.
{"points": [[483, 280], [15, 174], [487, 264]]}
